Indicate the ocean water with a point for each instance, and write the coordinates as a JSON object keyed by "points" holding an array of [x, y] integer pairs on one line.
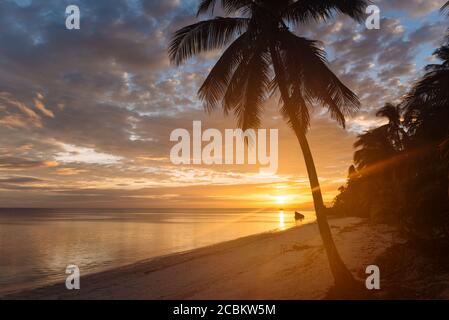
{"points": [[36, 245]]}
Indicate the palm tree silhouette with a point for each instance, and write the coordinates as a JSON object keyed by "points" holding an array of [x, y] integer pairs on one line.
{"points": [[427, 104], [401, 168], [374, 146], [395, 131], [380, 156], [382, 143], [263, 56]]}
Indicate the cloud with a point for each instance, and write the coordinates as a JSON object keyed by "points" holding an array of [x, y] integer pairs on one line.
{"points": [[13, 121], [416, 8], [75, 154], [94, 108], [21, 163], [16, 113], [41, 107], [19, 180], [70, 171]]}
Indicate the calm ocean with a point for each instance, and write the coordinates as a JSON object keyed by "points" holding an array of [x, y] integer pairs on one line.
{"points": [[36, 245]]}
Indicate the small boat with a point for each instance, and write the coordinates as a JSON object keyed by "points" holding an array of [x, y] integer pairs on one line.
{"points": [[299, 216]]}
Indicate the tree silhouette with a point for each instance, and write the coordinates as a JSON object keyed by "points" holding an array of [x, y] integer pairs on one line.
{"points": [[427, 105], [401, 168], [264, 56], [382, 143]]}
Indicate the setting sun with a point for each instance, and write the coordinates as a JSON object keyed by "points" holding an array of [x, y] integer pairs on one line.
{"points": [[281, 199]]}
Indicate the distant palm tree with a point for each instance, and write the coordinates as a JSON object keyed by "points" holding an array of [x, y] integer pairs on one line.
{"points": [[382, 143], [264, 56], [427, 105], [374, 146], [392, 113], [394, 127], [381, 162]]}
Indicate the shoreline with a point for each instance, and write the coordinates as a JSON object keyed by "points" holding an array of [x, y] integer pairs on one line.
{"points": [[148, 260], [151, 260], [286, 264]]}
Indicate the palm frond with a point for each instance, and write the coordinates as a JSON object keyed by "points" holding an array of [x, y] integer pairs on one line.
{"points": [[445, 8], [249, 87], [256, 90], [214, 87], [304, 10], [391, 112], [431, 90], [443, 54], [204, 36], [230, 6], [205, 6], [306, 66], [373, 146], [236, 85], [427, 105]]}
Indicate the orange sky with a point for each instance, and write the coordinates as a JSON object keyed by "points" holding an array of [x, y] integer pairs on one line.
{"points": [[86, 116], [80, 175]]}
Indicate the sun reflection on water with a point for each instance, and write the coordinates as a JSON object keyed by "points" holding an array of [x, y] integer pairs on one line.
{"points": [[281, 220]]}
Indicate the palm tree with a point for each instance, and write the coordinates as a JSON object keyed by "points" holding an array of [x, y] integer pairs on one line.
{"points": [[380, 161], [427, 105], [394, 127], [374, 147], [264, 56], [379, 145]]}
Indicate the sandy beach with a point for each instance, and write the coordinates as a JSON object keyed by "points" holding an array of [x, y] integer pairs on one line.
{"points": [[289, 264]]}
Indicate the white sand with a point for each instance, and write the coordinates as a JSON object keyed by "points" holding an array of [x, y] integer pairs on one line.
{"points": [[289, 264]]}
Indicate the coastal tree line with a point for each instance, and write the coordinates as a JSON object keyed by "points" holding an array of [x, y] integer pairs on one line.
{"points": [[401, 169]]}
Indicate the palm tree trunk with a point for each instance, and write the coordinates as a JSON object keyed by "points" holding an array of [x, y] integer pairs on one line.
{"points": [[342, 277]]}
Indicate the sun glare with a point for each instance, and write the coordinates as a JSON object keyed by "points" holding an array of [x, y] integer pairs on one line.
{"points": [[281, 199]]}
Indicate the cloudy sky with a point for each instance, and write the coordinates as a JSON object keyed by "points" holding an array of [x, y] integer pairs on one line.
{"points": [[86, 115]]}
